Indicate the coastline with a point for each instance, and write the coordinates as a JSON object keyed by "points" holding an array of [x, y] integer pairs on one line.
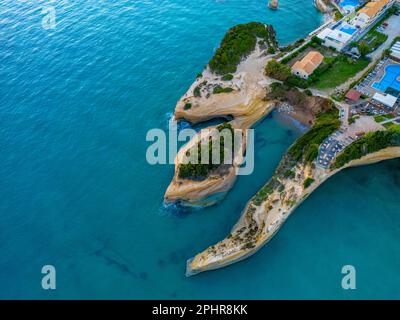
{"points": [[246, 104], [247, 88], [290, 120], [218, 256]]}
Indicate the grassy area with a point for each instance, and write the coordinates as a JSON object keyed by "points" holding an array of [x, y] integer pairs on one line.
{"points": [[392, 126], [239, 42], [342, 69], [334, 71], [381, 118], [372, 40]]}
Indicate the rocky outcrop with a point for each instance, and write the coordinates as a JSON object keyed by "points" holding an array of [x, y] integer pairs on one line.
{"points": [[245, 105], [321, 6], [207, 191], [260, 221], [273, 4], [212, 189]]}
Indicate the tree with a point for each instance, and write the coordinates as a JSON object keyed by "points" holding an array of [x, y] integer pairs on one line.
{"points": [[363, 49], [277, 70]]}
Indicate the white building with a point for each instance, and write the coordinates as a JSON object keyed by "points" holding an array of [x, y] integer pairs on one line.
{"points": [[395, 51], [342, 33], [335, 38], [385, 99]]}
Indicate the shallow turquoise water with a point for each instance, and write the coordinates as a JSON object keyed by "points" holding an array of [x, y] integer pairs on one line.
{"points": [[77, 193]]}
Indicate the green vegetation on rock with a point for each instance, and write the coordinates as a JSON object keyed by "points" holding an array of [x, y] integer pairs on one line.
{"points": [[200, 171], [227, 77], [219, 89], [371, 142], [238, 43], [265, 191], [308, 182], [306, 147]]}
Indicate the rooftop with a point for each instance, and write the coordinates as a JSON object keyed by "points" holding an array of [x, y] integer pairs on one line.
{"points": [[339, 35], [386, 99], [373, 7], [395, 50], [353, 95], [309, 63]]}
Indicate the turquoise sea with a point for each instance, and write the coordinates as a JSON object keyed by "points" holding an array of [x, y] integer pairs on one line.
{"points": [[76, 191]]}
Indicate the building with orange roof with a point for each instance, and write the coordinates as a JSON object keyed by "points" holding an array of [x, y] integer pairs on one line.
{"points": [[306, 66], [370, 11]]}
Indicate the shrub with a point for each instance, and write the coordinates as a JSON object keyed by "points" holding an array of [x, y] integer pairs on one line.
{"points": [[277, 70], [316, 40], [308, 92], [227, 77], [308, 182], [187, 106], [197, 92], [219, 89], [289, 174], [239, 41], [338, 15], [295, 81]]}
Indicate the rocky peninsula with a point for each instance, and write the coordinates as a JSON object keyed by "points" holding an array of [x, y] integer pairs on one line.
{"points": [[243, 82], [232, 87], [269, 209]]}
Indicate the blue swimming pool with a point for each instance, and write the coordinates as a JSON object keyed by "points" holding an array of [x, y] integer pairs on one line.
{"points": [[348, 29], [352, 3], [391, 79]]}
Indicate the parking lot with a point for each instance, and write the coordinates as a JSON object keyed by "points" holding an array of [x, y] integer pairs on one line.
{"points": [[374, 108], [343, 137], [331, 147]]}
